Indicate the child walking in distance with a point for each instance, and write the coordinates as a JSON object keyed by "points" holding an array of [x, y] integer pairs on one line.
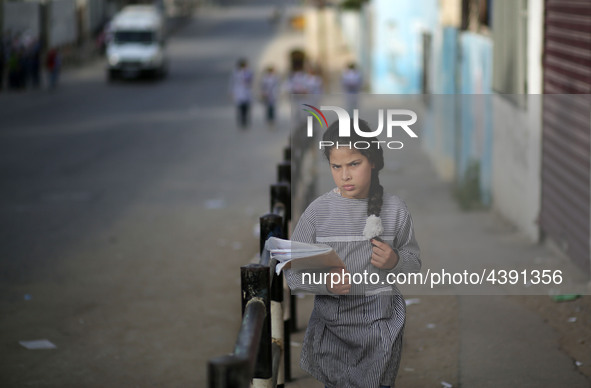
{"points": [[352, 83], [269, 93], [53, 64], [354, 336], [241, 91]]}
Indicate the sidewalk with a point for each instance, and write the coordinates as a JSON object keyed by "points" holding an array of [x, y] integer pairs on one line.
{"points": [[472, 340]]}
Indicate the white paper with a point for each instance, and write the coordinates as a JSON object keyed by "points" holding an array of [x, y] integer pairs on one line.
{"points": [[216, 203], [38, 344], [310, 255]]}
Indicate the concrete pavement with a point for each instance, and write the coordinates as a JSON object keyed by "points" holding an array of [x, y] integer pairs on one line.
{"points": [[464, 340], [469, 340]]}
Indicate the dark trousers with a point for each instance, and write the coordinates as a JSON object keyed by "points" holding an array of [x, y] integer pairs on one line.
{"points": [[53, 78], [243, 114], [270, 113]]}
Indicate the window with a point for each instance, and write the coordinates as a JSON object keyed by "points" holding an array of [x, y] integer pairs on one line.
{"points": [[477, 15], [145, 37]]}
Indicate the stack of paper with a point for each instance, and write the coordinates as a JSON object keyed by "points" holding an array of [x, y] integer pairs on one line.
{"points": [[298, 255]]}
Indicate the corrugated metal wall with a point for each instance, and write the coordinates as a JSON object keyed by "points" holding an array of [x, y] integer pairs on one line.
{"points": [[566, 143]]}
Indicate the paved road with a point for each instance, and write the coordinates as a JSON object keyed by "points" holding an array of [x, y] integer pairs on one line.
{"points": [[126, 210]]}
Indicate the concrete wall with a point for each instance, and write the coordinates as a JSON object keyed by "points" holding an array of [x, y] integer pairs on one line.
{"points": [[535, 45], [326, 45], [62, 23], [503, 137], [350, 22], [450, 13], [517, 140], [516, 177], [356, 29], [94, 14], [440, 131], [467, 123], [22, 17], [397, 43], [475, 110]]}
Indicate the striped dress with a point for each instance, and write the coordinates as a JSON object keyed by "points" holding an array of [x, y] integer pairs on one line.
{"points": [[355, 341]]}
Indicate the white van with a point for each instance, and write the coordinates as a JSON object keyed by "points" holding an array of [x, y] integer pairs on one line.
{"points": [[137, 43]]}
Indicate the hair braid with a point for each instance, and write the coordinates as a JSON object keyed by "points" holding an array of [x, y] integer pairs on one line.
{"points": [[376, 194]]}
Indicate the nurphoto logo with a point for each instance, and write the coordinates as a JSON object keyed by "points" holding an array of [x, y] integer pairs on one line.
{"points": [[395, 118]]}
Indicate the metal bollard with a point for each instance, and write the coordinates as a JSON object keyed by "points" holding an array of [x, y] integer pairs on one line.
{"points": [[280, 195], [228, 371], [287, 349], [284, 172], [272, 226], [277, 325]]}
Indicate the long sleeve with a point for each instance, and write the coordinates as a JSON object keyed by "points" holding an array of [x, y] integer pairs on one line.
{"points": [[406, 247], [305, 231]]}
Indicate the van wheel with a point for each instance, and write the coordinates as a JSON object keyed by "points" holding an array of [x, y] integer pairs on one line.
{"points": [[110, 76]]}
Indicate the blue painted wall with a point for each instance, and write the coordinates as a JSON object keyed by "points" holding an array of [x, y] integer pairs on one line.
{"points": [[397, 46], [460, 130], [442, 130], [475, 109]]}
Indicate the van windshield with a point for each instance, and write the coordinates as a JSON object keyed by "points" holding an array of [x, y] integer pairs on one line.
{"points": [[144, 37]]}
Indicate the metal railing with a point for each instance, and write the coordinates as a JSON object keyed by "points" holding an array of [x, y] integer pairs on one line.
{"points": [[262, 351]]}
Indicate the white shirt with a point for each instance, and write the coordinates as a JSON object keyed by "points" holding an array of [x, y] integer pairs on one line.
{"points": [[351, 81], [241, 85], [298, 83], [270, 87]]}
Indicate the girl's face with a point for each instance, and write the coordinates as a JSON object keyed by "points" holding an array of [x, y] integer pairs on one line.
{"points": [[351, 172]]}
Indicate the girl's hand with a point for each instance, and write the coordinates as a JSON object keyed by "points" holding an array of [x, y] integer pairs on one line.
{"points": [[341, 288], [383, 256]]}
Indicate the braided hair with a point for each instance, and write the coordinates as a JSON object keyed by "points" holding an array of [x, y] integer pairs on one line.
{"points": [[375, 156]]}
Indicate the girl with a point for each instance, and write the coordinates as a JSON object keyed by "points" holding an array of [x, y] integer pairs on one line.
{"points": [[354, 336]]}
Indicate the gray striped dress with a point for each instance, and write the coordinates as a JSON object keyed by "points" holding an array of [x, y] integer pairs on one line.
{"points": [[355, 340]]}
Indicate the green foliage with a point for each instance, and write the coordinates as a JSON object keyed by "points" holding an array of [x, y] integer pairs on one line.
{"points": [[352, 5]]}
